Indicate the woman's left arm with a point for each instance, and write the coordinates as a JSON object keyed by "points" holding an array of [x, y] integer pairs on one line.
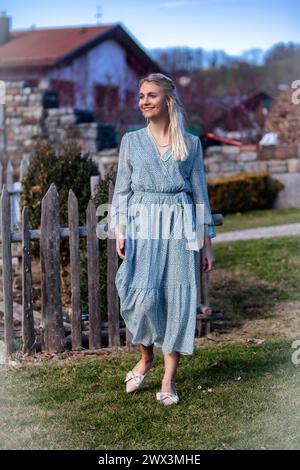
{"points": [[200, 196]]}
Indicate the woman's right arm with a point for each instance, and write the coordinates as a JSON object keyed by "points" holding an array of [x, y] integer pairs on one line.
{"points": [[121, 195]]}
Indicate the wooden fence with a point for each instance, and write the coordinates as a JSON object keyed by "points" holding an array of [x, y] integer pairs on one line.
{"points": [[49, 236], [14, 188]]}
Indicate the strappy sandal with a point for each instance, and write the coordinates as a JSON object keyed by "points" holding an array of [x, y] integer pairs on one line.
{"points": [[134, 380], [168, 398]]}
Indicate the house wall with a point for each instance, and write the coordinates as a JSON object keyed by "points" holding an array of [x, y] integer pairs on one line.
{"points": [[104, 64]]}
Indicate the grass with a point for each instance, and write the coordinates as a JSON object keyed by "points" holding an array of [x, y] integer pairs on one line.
{"points": [[259, 218], [234, 394], [81, 403], [256, 285], [274, 260]]}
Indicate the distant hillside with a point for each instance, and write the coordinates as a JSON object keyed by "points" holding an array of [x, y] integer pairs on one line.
{"points": [[221, 74], [272, 77], [175, 58], [186, 59]]}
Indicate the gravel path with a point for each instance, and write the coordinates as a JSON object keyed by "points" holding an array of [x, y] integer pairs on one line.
{"points": [[261, 232]]}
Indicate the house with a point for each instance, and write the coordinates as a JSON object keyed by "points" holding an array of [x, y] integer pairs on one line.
{"points": [[96, 67], [240, 117]]}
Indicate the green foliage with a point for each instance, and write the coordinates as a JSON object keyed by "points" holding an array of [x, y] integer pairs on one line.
{"points": [[68, 168], [243, 192]]}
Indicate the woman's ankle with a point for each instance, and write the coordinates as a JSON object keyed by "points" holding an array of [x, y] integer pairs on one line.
{"points": [[169, 380], [147, 360]]}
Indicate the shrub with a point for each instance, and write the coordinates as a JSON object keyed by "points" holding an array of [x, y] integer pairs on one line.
{"points": [[243, 192], [68, 169]]}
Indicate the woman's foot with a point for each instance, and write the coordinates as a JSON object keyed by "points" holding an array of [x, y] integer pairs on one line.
{"points": [[135, 377], [168, 394]]}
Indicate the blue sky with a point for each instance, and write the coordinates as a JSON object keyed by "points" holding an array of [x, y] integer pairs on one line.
{"points": [[232, 25]]}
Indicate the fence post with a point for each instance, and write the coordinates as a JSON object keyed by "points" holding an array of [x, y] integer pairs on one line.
{"points": [[112, 295], [1, 176], [7, 273], [50, 271], [27, 307], [95, 340], [9, 176], [24, 167], [203, 294], [73, 220]]}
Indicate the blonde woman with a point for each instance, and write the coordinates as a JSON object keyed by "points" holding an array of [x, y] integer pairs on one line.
{"points": [[160, 167]]}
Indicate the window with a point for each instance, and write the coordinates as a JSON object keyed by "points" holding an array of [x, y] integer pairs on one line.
{"points": [[66, 91], [106, 99]]}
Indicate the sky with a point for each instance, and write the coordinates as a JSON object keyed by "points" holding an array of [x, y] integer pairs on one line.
{"points": [[231, 25]]}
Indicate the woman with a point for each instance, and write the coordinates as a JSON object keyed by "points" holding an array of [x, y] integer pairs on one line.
{"points": [[160, 166]]}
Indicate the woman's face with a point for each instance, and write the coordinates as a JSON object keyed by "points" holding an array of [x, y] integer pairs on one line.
{"points": [[152, 102]]}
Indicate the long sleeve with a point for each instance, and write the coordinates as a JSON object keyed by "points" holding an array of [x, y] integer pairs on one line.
{"points": [[200, 190], [122, 189]]}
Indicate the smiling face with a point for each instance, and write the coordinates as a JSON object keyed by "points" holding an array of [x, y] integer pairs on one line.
{"points": [[152, 101]]}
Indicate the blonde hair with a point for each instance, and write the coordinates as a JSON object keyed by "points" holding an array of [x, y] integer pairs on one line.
{"points": [[177, 114]]}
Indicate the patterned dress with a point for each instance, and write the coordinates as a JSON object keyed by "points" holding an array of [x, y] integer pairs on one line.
{"points": [[157, 281]]}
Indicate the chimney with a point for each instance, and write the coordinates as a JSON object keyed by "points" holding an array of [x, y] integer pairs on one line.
{"points": [[4, 28]]}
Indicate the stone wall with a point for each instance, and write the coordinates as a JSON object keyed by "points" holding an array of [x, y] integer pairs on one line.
{"points": [[23, 120], [281, 161], [28, 118]]}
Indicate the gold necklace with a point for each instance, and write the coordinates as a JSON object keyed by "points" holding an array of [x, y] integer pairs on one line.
{"points": [[156, 140]]}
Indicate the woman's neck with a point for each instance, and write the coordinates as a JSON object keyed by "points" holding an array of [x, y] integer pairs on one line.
{"points": [[159, 128]]}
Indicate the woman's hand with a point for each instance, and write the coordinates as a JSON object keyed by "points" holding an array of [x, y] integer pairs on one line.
{"points": [[120, 240], [208, 256]]}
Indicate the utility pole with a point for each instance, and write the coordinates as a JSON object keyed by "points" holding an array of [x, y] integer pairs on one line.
{"points": [[99, 14]]}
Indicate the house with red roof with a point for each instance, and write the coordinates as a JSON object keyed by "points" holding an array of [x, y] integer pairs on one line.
{"points": [[94, 67]]}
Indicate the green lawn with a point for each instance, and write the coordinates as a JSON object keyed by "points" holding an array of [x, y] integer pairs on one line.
{"points": [[275, 261], [254, 402], [256, 285], [81, 404], [259, 218]]}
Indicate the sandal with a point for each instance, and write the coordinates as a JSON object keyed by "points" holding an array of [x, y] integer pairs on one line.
{"points": [[134, 380], [168, 398]]}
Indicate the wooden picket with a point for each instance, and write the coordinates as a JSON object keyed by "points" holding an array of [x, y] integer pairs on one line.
{"points": [[50, 272], [7, 273], [73, 218], [27, 307]]}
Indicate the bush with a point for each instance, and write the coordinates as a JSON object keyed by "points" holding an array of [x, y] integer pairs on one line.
{"points": [[243, 192], [68, 169]]}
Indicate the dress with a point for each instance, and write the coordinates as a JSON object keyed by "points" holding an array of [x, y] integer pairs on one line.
{"points": [[157, 281]]}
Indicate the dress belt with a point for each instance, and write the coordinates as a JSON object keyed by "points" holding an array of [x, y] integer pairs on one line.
{"points": [[161, 193], [196, 242]]}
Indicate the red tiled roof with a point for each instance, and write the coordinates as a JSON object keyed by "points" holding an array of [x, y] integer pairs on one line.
{"points": [[45, 46]]}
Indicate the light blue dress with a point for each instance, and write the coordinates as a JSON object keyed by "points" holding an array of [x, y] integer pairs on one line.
{"points": [[157, 281]]}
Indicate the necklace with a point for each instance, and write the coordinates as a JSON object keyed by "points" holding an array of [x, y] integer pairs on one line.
{"points": [[156, 140]]}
